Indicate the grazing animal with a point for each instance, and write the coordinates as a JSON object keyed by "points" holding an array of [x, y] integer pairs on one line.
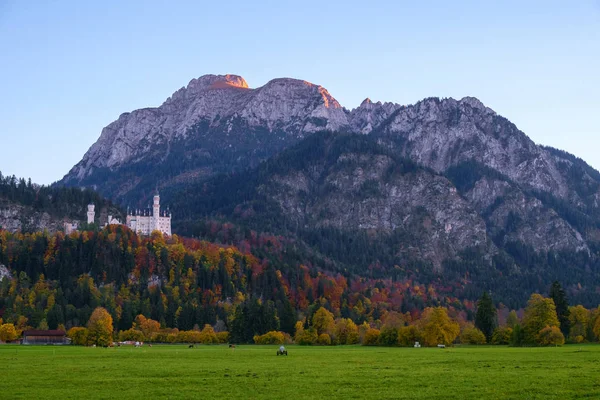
{"points": [[191, 346], [232, 346]]}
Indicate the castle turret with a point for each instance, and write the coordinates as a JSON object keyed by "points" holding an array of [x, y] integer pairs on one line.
{"points": [[156, 212], [91, 214]]}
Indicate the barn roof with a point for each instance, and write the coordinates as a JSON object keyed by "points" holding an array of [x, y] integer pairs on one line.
{"points": [[33, 332]]}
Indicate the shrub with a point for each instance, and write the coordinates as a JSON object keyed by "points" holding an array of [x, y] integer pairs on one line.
{"points": [[188, 337], [223, 337], [308, 337], [502, 335], [551, 336], [371, 337], [578, 339], [131, 334], [324, 339], [272, 337], [472, 335], [208, 335], [388, 337], [408, 335], [8, 333]]}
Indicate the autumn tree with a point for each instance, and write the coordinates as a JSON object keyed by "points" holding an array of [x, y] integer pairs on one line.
{"points": [[579, 318], [78, 335], [323, 321], [346, 331], [408, 335], [502, 335], [539, 314], [561, 303], [100, 327], [512, 319], [8, 333], [437, 327], [551, 336], [485, 318], [472, 335]]}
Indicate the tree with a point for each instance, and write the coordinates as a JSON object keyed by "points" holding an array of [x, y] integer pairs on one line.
{"points": [[408, 335], [322, 321], [512, 319], [324, 339], [346, 331], [562, 306], [100, 327], [502, 335], [371, 337], [308, 336], [438, 328], [472, 335], [551, 336], [579, 318], [8, 333], [485, 318], [539, 314], [78, 335]]}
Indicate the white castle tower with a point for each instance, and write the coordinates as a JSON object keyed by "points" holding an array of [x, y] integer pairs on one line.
{"points": [[156, 213], [91, 214]]}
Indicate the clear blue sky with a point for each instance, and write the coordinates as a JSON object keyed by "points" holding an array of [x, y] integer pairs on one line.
{"points": [[69, 68]]}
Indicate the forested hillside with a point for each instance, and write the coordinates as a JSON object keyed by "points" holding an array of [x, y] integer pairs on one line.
{"points": [[27, 207], [349, 205], [180, 282]]}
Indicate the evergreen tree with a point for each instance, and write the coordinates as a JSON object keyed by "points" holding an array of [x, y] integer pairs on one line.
{"points": [[561, 302], [485, 318]]}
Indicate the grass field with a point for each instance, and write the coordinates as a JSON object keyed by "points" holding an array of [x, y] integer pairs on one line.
{"points": [[252, 372]]}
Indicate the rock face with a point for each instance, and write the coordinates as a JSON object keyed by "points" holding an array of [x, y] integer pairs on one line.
{"points": [[479, 182], [16, 217], [216, 102]]}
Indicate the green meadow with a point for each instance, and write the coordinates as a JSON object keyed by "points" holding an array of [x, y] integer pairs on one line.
{"points": [[255, 372]]}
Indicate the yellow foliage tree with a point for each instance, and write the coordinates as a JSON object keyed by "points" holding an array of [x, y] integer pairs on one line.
{"points": [[502, 335], [272, 337], [324, 339], [146, 325], [208, 335], [539, 314], [8, 333], [579, 318], [371, 337], [472, 335], [346, 331], [78, 335], [100, 327], [308, 336], [437, 327], [408, 335], [551, 336], [322, 321], [298, 331]]}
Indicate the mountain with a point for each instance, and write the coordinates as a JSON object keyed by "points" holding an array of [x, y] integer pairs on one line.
{"points": [[444, 187]]}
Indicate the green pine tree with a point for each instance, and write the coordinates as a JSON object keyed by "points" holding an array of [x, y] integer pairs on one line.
{"points": [[485, 318], [561, 302]]}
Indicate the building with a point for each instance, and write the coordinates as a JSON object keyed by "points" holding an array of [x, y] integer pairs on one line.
{"points": [[45, 337], [91, 214], [144, 222], [71, 227]]}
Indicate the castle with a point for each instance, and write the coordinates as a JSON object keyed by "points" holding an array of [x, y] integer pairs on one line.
{"points": [[143, 222], [151, 219]]}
